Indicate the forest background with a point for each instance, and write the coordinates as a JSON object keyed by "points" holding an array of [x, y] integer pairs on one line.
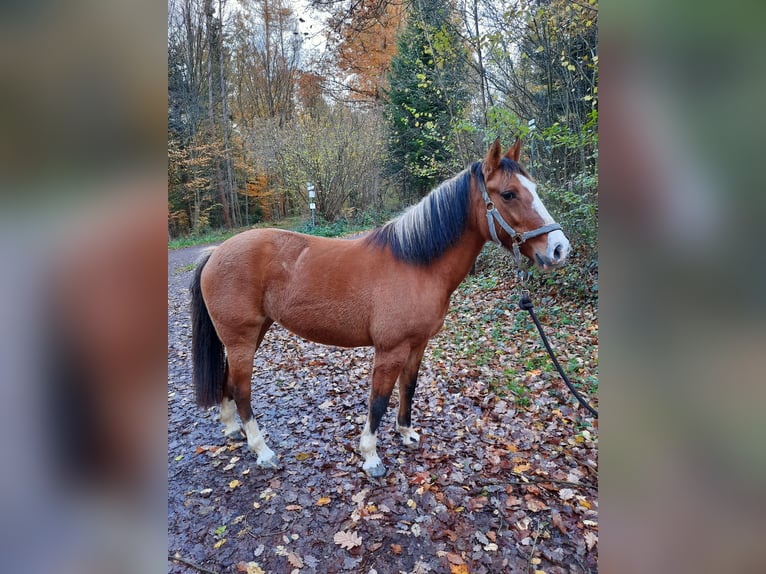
{"points": [[374, 102]]}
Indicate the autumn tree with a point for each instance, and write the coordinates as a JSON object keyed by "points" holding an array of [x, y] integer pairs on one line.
{"points": [[542, 63], [266, 57], [364, 37], [427, 97]]}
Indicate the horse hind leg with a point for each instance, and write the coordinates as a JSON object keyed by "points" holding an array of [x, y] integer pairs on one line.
{"points": [[240, 360], [231, 428]]}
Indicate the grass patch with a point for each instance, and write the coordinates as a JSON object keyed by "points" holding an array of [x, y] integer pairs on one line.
{"points": [[216, 236], [184, 269], [338, 228]]}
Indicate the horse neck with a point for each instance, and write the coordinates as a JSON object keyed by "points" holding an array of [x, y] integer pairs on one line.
{"points": [[457, 261]]}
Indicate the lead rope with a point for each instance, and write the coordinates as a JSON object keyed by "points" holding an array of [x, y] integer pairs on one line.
{"points": [[525, 303]]}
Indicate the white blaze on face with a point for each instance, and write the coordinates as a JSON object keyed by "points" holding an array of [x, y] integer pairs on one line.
{"points": [[558, 244]]}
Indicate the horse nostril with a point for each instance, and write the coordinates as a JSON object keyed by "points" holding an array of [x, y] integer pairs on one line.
{"points": [[557, 252]]}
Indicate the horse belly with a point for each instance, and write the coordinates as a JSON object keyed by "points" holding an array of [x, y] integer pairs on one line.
{"points": [[327, 327]]}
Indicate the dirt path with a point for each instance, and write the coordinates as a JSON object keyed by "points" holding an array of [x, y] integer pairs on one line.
{"points": [[459, 504]]}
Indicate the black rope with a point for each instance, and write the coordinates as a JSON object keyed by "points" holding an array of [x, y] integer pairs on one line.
{"points": [[525, 303]]}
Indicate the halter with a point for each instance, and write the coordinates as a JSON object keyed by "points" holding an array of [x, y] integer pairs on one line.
{"points": [[493, 216]]}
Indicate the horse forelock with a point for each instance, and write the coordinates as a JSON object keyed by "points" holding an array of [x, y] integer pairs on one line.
{"points": [[506, 164], [427, 229]]}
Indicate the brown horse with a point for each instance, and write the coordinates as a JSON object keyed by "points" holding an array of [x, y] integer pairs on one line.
{"points": [[389, 289]]}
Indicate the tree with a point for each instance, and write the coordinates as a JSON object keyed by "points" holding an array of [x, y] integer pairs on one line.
{"points": [[338, 150], [427, 96], [364, 42], [267, 58]]}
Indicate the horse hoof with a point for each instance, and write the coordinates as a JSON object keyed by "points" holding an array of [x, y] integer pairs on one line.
{"points": [[271, 463], [376, 471], [235, 435]]}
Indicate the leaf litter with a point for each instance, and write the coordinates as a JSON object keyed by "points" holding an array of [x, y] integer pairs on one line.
{"points": [[506, 471]]}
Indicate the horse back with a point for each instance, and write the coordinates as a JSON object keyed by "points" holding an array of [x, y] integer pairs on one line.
{"points": [[342, 292]]}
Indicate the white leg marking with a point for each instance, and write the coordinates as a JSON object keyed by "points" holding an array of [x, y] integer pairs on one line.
{"points": [[558, 244], [228, 410], [256, 443], [367, 446], [409, 436]]}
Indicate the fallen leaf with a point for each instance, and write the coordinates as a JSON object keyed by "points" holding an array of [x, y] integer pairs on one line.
{"points": [[293, 507], [558, 522], [234, 483], [220, 543], [536, 505], [295, 560], [590, 540], [566, 494], [455, 558], [359, 497], [347, 540], [303, 456], [396, 549], [479, 535], [324, 500], [250, 568], [458, 569]]}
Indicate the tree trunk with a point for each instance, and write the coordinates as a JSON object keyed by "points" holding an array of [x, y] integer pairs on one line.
{"points": [[211, 111], [230, 188], [482, 74]]}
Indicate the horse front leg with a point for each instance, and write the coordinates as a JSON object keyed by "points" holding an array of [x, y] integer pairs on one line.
{"points": [[387, 368], [408, 380]]}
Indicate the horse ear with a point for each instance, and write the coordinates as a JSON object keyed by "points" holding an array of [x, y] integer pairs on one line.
{"points": [[514, 152], [494, 155]]}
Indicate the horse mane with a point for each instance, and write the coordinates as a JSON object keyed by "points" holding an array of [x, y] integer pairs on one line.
{"points": [[427, 229]]}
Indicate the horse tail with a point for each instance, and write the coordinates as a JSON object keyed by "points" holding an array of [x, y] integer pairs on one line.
{"points": [[208, 357]]}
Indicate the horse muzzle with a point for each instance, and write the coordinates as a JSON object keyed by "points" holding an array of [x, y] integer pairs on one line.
{"points": [[556, 252]]}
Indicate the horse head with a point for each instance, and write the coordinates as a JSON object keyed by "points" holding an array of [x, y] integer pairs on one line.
{"points": [[516, 217]]}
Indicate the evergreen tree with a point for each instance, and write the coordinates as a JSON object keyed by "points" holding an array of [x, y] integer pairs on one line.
{"points": [[427, 96]]}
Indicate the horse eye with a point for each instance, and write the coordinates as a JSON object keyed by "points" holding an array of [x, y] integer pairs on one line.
{"points": [[508, 195]]}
